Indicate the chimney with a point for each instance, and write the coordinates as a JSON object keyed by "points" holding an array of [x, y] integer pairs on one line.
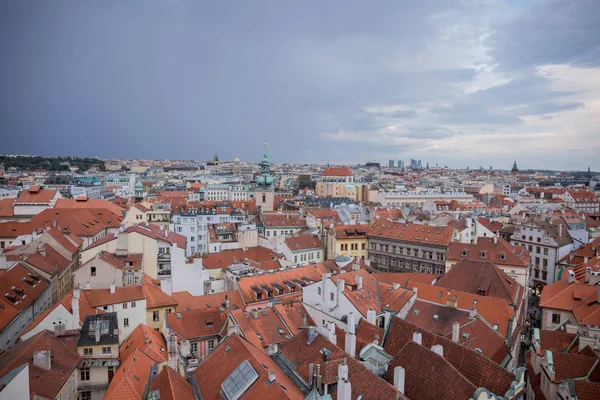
{"points": [[233, 329], [455, 331], [350, 342], [318, 376], [341, 286], [359, 282], [438, 349], [312, 334], [226, 302], [452, 302], [559, 229], [396, 286], [570, 276], [42, 359], [399, 376], [331, 332], [344, 387], [588, 274], [472, 312], [254, 314], [75, 308], [185, 348], [113, 288], [371, 315], [97, 334], [417, 337], [271, 376], [586, 259], [304, 320], [495, 239], [311, 372]]}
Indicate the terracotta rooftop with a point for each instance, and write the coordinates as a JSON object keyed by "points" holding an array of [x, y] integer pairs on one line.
{"points": [[415, 233], [196, 323], [276, 220], [481, 278], [187, 302], [35, 194], [6, 207], [225, 259], [572, 365], [103, 297], [96, 204], [130, 377], [81, 222], [496, 250], [229, 355], [42, 382], [337, 171], [303, 242], [171, 386], [155, 297], [19, 288], [351, 231], [147, 340], [479, 370], [587, 390], [266, 324]]}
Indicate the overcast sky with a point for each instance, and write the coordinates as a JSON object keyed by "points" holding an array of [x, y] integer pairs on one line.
{"points": [[472, 82]]}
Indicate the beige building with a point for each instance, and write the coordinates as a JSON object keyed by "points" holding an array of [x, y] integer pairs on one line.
{"points": [[98, 346], [347, 240], [145, 212]]}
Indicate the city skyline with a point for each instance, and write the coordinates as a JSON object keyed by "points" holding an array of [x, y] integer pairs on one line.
{"points": [[475, 83]]}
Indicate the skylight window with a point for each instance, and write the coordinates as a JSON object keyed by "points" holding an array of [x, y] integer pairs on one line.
{"points": [[236, 384]]}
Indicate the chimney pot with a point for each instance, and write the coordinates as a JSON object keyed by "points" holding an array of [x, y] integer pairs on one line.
{"points": [[113, 288]]}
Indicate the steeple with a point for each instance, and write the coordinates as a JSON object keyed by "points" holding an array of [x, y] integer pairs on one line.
{"points": [[514, 168], [265, 178]]}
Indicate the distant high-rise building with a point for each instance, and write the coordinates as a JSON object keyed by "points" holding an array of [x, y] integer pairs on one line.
{"points": [[391, 163], [400, 164], [413, 163], [419, 164]]}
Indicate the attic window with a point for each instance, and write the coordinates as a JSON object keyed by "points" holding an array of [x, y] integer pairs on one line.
{"points": [[465, 335], [435, 316], [463, 253], [416, 312], [502, 256], [495, 327], [483, 254]]}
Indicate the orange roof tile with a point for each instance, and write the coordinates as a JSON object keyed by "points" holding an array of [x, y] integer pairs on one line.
{"points": [[102, 297], [225, 259], [96, 204], [194, 324], [337, 171], [42, 382], [434, 236], [19, 287], [172, 386], [155, 297], [6, 207], [36, 195], [131, 377], [187, 302], [500, 252], [147, 340], [227, 357], [303, 242]]}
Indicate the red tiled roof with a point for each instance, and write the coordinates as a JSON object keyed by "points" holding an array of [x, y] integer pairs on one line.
{"points": [[403, 277], [155, 297], [479, 277], [42, 382], [422, 367], [555, 340], [19, 287], [155, 232], [500, 252], [131, 377], [587, 390], [225, 259], [275, 220], [95, 204], [12, 230], [351, 231], [303, 242], [186, 302], [172, 386], [81, 222], [479, 370], [147, 340], [6, 207], [337, 171], [292, 314], [102, 297], [227, 357], [36, 195], [266, 324], [63, 240], [52, 263], [395, 231], [571, 365], [196, 323], [301, 353]]}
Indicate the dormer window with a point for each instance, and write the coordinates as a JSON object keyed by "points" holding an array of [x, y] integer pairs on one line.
{"points": [[502, 256], [483, 254], [463, 253]]}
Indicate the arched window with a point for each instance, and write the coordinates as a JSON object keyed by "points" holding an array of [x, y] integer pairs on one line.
{"points": [[264, 198]]}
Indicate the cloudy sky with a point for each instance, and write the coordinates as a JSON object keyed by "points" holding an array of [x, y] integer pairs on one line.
{"points": [[471, 82]]}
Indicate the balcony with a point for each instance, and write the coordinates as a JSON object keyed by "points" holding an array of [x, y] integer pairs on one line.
{"points": [[164, 272]]}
